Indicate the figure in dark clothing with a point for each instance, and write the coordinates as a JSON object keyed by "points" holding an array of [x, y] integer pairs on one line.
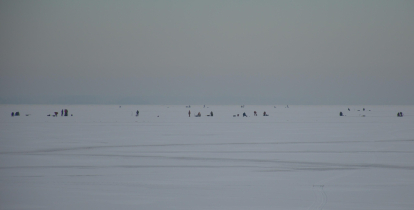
{"points": [[137, 113], [61, 113], [211, 113], [244, 114], [340, 114], [255, 113], [189, 113], [12, 114], [66, 112]]}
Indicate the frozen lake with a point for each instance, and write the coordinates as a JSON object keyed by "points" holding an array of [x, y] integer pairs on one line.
{"points": [[302, 157]]}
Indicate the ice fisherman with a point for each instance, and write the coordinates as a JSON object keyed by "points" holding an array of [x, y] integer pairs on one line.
{"points": [[189, 113], [137, 113], [244, 114], [211, 113]]}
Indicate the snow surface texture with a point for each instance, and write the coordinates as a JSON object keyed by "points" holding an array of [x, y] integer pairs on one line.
{"points": [[302, 157]]}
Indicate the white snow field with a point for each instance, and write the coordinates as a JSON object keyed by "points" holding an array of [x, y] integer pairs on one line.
{"points": [[302, 157]]}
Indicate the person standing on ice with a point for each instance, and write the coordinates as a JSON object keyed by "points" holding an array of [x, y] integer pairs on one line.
{"points": [[211, 113], [137, 113], [189, 113]]}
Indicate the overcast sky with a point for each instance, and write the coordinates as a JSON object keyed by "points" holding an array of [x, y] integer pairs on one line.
{"points": [[207, 52]]}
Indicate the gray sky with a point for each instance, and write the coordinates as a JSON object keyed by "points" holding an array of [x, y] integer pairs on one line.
{"points": [[207, 52]]}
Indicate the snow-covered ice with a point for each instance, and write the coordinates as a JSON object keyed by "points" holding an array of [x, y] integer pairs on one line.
{"points": [[302, 157]]}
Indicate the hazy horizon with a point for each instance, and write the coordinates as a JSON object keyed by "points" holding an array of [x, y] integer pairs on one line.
{"points": [[207, 52]]}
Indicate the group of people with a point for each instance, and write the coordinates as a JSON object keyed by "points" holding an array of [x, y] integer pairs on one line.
{"points": [[199, 114], [211, 114], [63, 112], [255, 114], [15, 114]]}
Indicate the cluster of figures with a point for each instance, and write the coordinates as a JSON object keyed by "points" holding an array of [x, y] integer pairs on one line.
{"points": [[15, 114], [255, 114], [61, 112], [199, 114], [64, 112], [400, 114]]}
